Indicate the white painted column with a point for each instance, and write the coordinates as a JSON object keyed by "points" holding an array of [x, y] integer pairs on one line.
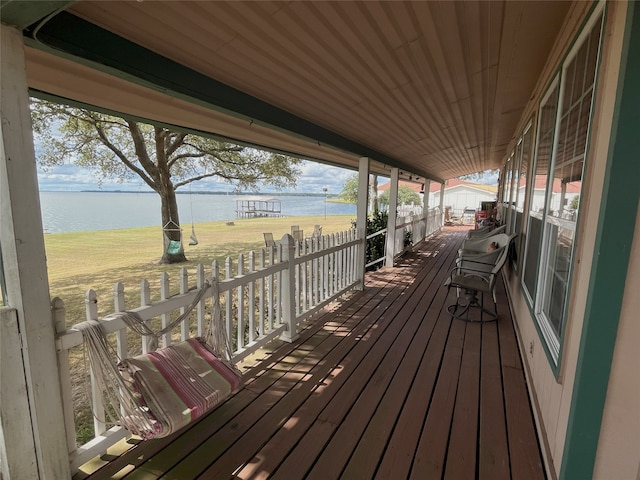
{"points": [[16, 444], [25, 267], [441, 205], [288, 290], [393, 215], [361, 219], [425, 208]]}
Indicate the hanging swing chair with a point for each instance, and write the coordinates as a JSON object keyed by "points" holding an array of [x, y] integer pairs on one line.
{"points": [[174, 247], [158, 393]]}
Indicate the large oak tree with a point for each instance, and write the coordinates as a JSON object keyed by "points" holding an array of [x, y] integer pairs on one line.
{"points": [[165, 159]]}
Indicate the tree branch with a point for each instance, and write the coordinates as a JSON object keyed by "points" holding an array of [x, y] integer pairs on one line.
{"points": [[185, 155], [200, 177], [173, 146], [123, 158]]}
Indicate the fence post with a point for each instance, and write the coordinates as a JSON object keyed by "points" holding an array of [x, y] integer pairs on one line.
{"points": [[99, 418], [145, 299], [121, 335], [59, 320], [288, 290]]}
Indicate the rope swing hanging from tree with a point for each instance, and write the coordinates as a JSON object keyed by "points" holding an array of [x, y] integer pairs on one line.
{"points": [[174, 247], [193, 240]]}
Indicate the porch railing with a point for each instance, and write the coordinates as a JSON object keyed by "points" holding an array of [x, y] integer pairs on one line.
{"points": [[262, 297], [417, 227]]}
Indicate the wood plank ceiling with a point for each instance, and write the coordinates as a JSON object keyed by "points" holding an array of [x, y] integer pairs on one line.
{"points": [[437, 88]]}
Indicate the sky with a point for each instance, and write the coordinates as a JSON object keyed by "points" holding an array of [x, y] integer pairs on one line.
{"points": [[315, 176]]}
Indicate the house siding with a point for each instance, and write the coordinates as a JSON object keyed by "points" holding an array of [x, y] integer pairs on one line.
{"points": [[620, 432], [552, 389]]}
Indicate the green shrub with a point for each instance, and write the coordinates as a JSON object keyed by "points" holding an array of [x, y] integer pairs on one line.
{"points": [[375, 245]]}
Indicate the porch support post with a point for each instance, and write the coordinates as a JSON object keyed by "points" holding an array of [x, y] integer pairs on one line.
{"points": [[288, 290], [361, 219], [25, 269], [393, 215], [441, 205], [425, 207], [16, 439]]}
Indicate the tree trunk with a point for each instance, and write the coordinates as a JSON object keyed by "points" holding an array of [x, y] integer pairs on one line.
{"points": [[173, 248]]}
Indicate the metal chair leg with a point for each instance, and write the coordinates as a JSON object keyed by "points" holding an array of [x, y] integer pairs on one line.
{"points": [[463, 311]]}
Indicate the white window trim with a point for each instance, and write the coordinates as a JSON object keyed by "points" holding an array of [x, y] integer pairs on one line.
{"points": [[553, 340]]}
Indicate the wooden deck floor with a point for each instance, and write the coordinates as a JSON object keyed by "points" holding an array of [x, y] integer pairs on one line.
{"points": [[384, 386]]}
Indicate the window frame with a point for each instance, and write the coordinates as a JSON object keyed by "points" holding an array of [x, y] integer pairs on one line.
{"points": [[552, 343], [530, 296]]}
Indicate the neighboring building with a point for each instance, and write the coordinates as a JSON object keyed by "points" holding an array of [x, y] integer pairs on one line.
{"points": [[458, 195]]}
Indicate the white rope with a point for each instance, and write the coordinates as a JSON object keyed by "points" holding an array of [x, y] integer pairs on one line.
{"points": [[117, 393], [138, 325], [216, 334]]}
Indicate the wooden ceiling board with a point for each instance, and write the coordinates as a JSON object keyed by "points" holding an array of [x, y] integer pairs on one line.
{"points": [[438, 85]]}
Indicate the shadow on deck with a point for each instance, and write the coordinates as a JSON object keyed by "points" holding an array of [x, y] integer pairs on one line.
{"points": [[385, 385]]}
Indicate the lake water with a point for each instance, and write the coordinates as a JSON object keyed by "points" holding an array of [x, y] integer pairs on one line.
{"points": [[83, 211]]}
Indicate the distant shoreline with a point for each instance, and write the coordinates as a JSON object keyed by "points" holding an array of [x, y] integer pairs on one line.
{"points": [[205, 192]]}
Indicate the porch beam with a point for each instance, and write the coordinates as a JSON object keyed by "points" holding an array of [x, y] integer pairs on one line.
{"points": [[361, 218], [25, 264], [392, 218]]}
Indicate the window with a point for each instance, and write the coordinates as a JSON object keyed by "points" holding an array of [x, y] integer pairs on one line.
{"points": [[564, 119], [538, 187], [520, 181]]}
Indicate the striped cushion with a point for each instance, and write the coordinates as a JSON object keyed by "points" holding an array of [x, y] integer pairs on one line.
{"points": [[179, 384]]}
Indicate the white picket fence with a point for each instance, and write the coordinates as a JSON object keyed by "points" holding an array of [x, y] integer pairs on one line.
{"points": [[262, 297], [417, 227]]}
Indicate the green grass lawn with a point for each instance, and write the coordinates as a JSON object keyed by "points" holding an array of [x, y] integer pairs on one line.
{"points": [[79, 261]]}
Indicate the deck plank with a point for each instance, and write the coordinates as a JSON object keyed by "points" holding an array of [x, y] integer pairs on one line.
{"points": [[493, 446], [363, 402], [462, 451], [251, 428], [269, 387], [384, 384], [321, 432]]}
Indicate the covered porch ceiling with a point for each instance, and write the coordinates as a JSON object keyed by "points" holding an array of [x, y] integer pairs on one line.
{"points": [[434, 88]]}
